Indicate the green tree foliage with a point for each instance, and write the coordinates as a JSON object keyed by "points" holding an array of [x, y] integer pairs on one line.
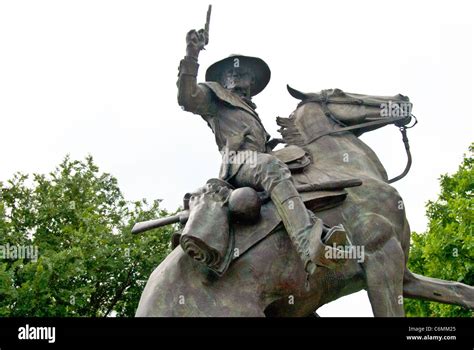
{"points": [[89, 263], [446, 250]]}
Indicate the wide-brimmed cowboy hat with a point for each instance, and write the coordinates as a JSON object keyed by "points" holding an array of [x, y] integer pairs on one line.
{"points": [[259, 68]]}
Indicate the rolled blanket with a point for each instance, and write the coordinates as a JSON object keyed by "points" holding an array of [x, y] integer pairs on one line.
{"points": [[206, 235], [200, 251]]}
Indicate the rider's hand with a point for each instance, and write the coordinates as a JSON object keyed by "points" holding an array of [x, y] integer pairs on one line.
{"points": [[195, 42], [403, 122], [234, 142]]}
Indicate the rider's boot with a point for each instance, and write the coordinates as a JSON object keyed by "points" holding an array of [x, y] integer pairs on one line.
{"points": [[313, 242]]}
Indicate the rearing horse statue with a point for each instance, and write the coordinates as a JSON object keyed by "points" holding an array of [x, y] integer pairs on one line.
{"points": [[267, 278]]}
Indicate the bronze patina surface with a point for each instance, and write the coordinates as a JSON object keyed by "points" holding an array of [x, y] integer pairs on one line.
{"points": [[312, 223]]}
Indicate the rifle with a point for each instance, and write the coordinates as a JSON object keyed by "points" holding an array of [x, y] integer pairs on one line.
{"points": [[143, 226]]}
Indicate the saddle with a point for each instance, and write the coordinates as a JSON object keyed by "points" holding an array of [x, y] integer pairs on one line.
{"points": [[294, 157], [316, 196]]}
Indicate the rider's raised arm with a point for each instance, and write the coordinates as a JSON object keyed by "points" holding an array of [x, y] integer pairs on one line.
{"points": [[191, 96]]}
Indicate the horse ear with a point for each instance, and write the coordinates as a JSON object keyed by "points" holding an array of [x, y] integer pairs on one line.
{"points": [[296, 94]]}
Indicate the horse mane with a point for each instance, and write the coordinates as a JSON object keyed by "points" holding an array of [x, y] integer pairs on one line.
{"points": [[290, 132], [293, 133]]}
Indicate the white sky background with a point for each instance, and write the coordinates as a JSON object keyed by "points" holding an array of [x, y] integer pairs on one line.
{"points": [[98, 77]]}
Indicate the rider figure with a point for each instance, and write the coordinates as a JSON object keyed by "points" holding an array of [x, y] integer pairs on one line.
{"points": [[224, 102]]}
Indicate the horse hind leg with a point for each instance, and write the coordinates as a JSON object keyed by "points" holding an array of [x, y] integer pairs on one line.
{"points": [[384, 263], [434, 289]]}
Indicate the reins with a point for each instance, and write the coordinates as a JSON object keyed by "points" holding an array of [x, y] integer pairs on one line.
{"points": [[403, 129]]}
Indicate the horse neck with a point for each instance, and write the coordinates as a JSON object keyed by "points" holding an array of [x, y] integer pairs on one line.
{"points": [[344, 152]]}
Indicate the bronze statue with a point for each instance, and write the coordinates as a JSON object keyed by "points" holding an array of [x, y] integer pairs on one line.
{"points": [[224, 102], [245, 234]]}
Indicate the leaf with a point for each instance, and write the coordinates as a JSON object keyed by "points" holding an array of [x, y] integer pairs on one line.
{"points": [[446, 249]]}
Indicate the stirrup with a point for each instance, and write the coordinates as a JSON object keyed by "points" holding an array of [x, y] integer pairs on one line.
{"points": [[323, 252], [336, 235]]}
